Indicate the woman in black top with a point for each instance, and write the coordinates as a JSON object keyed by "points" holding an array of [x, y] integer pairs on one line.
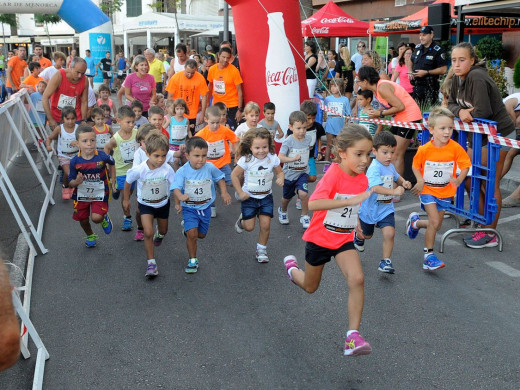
{"points": [[345, 69], [311, 60]]}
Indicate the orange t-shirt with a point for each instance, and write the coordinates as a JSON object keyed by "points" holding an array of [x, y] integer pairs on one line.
{"points": [[188, 89], [218, 146], [45, 62], [18, 66], [33, 81], [224, 84], [411, 112], [438, 165]]}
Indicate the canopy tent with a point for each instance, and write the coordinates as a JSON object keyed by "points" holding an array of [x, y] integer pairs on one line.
{"points": [[332, 21]]}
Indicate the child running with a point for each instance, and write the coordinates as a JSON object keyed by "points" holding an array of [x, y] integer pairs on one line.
{"points": [[194, 189], [316, 131], [256, 165], [272, 125], [88, 177], [156, 118], [251, 114], [102, 130], [335, 120], [364, 103], [378, 210], [137, 108], [154, 179], [435, 167], [224, 121], [67, 145], [107, 112], [178, 127], [335, 203]]}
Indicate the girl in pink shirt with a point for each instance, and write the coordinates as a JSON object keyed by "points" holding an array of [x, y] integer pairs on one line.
{"points": [[403, 69]]}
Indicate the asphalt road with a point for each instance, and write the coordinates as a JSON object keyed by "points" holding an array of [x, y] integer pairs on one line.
{"points": [[237, 324]]}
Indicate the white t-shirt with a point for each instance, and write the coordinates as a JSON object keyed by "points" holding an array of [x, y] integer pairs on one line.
{"points": [[140, 157], [242, 129], [91, 97], [153, 185], [514, 96], [176, 66], [47, 73], [258, 174]]}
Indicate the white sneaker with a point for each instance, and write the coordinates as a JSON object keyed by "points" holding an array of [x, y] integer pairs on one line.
{"points": [[213, 212], [238, 228], [283, 218], [305, 220], [261, 256], [298, 204]]}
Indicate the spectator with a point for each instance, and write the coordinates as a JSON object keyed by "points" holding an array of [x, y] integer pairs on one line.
{"points": [[345, 69], [358, 57], [140, 85], [91, 67], [105, 65], [233, 60], [15, 70], [73, 54], [44, 62], [177, 64], [311, 66], [403, 68], [156, 69]]}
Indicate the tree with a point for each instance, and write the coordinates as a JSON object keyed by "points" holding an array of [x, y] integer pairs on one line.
{"points": [[45, 19], [9, 19], [490, 48], [110, 7]]}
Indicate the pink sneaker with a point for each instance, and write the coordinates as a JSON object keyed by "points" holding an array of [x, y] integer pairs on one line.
{"points": [[290, 263], [139, 235], [355, 345]]}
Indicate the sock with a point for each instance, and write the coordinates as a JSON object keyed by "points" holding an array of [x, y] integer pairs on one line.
{"points": [[260, 246], [151, 261], [193, 258], [414, 225], [128, 217], [427, 252], [349, 333], [387, 258]]}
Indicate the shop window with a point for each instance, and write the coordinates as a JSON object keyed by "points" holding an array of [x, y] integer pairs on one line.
{"points": [[400, 3], [134, 8]]}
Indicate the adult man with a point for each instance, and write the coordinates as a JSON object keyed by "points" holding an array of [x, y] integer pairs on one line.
{"points": [[15, 70], [177, 64], [9, 328], [191, 86], [233, 60], [68, 87], [44, 62], [163, 57], [105, 65], [358, 57], [225, 85], [429, 62], [122, 67], [209, 61], [156, 69], [91, 67]]}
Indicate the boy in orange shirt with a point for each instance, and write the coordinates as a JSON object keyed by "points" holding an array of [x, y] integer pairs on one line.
{"points": [[435, 167], [217, 137], [31, 81]]}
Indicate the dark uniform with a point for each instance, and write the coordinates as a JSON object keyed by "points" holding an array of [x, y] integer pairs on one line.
{"points": [[426, 89]]}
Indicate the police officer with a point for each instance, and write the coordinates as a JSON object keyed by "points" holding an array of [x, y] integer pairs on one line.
{"points": [[429, 62]]}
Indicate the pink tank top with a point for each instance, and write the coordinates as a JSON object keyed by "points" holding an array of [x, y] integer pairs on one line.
{"points": [[411, 113], [67, 94]]}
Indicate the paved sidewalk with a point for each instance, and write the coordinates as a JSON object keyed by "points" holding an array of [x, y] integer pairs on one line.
{"points": [[512, 180]]}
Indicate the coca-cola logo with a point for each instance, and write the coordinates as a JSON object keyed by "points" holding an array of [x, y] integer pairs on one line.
{"points": [[321, 30], [282, 77], [341, 19]]}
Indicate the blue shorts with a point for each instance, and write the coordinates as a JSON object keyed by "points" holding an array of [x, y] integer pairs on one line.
{"points": [[252, 207], [196, 219], [226, 170], [442, 203], [368, 228], [290, 187], [159, 212], [120, 182], [312, 167]]}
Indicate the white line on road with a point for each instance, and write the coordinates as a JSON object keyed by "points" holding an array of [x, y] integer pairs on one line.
{"points": [[408, 206], [508, 219], [509, 271]]}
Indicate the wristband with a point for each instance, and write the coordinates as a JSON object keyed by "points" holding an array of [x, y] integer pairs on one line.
{"points": [[381, 115]]}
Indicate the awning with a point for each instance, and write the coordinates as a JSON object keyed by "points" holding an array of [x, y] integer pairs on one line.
{"points": [[332, 21], [57, 41], [15, 39], [214, 32]]}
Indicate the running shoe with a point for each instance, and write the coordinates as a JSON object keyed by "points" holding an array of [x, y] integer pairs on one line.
{"points": [[305, 220], [298, 204], [238, 225], [127, 224], [213, 212], [139, 235], [431, 262], [386, 266], [355, 345], [359, 244], [91, 241], [481, 240], [151, 270], [157, 238], [261, 256], [412, 233], [193, 266], [290, 263], [283, 218], [106, 224]]}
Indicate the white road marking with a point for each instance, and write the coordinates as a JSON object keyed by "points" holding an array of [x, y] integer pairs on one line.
{"points": [[509, 271], [508, 219]]}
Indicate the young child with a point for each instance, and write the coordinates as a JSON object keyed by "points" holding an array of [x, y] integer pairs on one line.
{"points": [[251, 113], [88, 177], [156, 118], [272, 125], [364, 100], [218, 138], [36, 99], [107, 111], [256, 166], [104, 98], [124, 145], [178, 127], [102, 130], [435, 167], [335, 122], [31, 81], [67, 145], [378, 210], [194, 189], [294, 153], [137, 107], [316, 131], [154, 179], [223, 114], [140, 154], [335, 203], [161, 101]]}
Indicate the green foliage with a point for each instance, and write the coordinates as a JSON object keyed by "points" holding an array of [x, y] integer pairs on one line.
{"points": [[516, 74], [498, 76], [490, 48], [9, 19], [165, 5], [46, 18], [109, 7]]}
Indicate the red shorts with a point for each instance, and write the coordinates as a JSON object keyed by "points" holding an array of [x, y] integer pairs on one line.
{"points": [[82, 209]]}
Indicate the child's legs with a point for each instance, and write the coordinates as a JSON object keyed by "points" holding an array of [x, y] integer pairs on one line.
{"points": [[147, 220], [388, 241], [162, 226], [191, 242], [434, 223], [196, 225], [66, 171], [138, 218], [98, 210], [309, 280], [349, 263], [312, 171], [265, 229], [328, 148], [81, 214], [302, 187], [289, 190], [85, 225], [250, 209]]}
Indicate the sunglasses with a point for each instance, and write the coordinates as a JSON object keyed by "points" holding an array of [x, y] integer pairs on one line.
{"points": [[361, 45]]}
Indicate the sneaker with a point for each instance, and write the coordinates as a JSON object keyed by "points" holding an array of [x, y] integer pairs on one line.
{"points": [[261, 256], [151, 270], [283, 218], [359, 244], [290, 263], [466, 223], [412, 233], [238, 227], [305, 220], [298, 204], [326, 167], [115, 194], [386, 266], [355, 345], [91, 241], [431, 262], [213, 212], [139, 235], [193, 265], [157, 238], [106, 224], [66, 193], [481, 240], [510, 202], [127, 224]]}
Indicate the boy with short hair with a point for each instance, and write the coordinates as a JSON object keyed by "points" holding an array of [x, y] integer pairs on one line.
{"points": [[378, 209], [154, 179], [88, 177], [156, 118], [315, 130], [294, 153], [137, 108], [59, 60], [271, 124], [217, 136], [364, 103], [36, 99], [31, 81], [194, 189]]}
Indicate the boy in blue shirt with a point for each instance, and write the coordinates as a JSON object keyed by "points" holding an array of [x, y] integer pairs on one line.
{"points": [[36, 99], [378, 209], [335, 120], [194, 189]]}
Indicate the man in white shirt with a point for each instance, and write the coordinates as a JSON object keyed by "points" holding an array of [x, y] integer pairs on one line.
{"points": [[356, 58]]}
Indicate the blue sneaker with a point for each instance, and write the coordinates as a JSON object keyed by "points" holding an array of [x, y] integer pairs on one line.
{"points": [[359, 244], [151, 270], [193, 266], [412, 233], [431, 262], [127, 224], [106, 224], [91, 241], [386, 266]]}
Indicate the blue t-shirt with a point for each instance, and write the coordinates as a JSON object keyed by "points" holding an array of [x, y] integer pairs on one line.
{"points": [[334, 122], [91, 66], [36, 99], [121, 64], [197, 183], [178, 131], [378, 206]]}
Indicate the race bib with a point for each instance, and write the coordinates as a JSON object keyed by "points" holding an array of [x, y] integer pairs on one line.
{"points": [[65, 100], [438, 174], [67, 146], [91, 191], [343, 219], [178, 133], [216, 149], [109, 74], [219, 86], [101, 140], [336, 107], [388, 182], [301, 164], [119, 72], [312, 133], [154, 190], [127, 150], [198, 191], [259, 182]]}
